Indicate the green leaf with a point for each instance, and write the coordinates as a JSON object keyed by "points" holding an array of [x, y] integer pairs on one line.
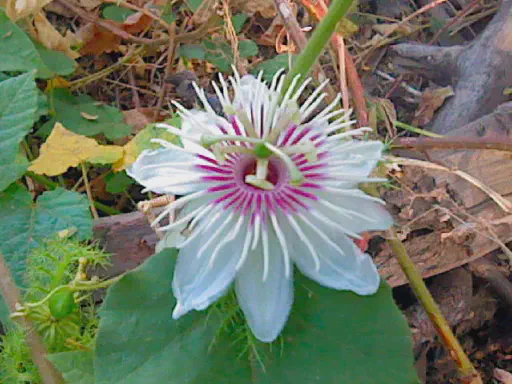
{"points": [[193, 5], [248, 48], [137, 340], [118, 182], [338, 336], [192, 51], [72, 112], [219, 53], [238, 21], [18, 104], [76, 367], [26, 223], [57, 62], [10, 170], [17, 51], [270, 67], [116, 13]]}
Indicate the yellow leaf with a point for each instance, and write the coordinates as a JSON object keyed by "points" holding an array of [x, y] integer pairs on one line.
{"points": [[18, 9], [142, 141], [64, 149], [56, 82], [47, 35]]}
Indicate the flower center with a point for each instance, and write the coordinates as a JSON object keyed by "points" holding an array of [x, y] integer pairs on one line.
{"points": [[247, 171]]}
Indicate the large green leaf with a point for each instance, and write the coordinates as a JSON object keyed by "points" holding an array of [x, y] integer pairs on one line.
{"points": [[138, 342], [331, 337], [17, 52], [85, 116], [18, 104], [76, 367], [25, 222]]}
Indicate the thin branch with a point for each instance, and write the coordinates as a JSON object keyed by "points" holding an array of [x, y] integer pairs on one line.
{"points": [[495, 196], [455, 142], [11, 293], [318, 9], [168, 69], [299, 38], [181, 38], [88, 190], [467, 371]]}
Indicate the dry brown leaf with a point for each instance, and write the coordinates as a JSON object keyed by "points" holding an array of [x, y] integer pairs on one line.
{"points": [[18, 9], [88, 117], [139, 118], [64, 149], [98, 40], [48, 36], [387, 112], [87, 4], [388, 29], [266, 8], [431, 99], [503, 376]]}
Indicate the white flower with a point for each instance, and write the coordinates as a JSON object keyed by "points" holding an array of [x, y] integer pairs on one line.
{"points": [[269, 186]]}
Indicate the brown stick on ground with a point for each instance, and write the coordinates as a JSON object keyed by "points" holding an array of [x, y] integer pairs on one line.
{"points": [[481, 71], [12, 296]]}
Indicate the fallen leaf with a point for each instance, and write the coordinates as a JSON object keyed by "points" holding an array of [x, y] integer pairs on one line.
{"points": [[431, 100], [388, 29], [85, 115], [387, 113], [266, 8], [18, 9], [137, 23], [64, 149], [98, 40], [139, 118], [47, 35], [503, 376]]}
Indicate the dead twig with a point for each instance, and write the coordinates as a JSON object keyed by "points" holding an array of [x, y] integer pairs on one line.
{"points": [[319, 10], [299, 38], [185, 37], [495, 196], [487, 270], [457, 142], [168, 69]]}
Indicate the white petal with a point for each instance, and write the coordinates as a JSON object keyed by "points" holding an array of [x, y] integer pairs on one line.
{"points": [[266, 304], [368, 153], [199, 281], [342, 265], [174, 176], [354, 212]]}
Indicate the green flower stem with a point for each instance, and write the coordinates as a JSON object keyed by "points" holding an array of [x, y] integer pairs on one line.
{"points": [[317, 43], [52, 185], [467, 371]]}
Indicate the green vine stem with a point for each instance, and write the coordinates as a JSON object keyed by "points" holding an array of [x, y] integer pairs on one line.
{"points": [[76, 286], [52, 185], [467, 371], [317, 42], [12, 296]]}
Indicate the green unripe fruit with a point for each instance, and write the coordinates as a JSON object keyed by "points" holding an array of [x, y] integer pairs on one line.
{"points": [[62, 303]]}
